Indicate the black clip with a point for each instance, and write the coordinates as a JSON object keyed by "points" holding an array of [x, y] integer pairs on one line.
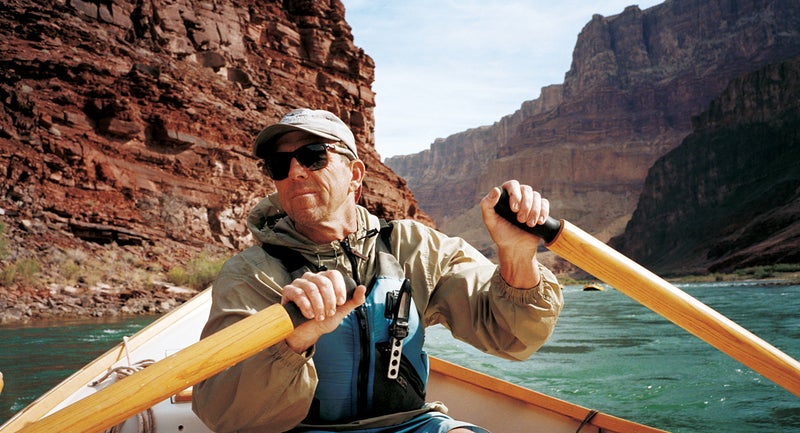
{"points": [[401, 311]]}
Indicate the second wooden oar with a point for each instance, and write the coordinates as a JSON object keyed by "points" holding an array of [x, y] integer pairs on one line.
{"points": [[630, 278], [203, 359]]}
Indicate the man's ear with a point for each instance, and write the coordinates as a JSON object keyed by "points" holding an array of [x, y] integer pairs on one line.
{"points": [[358, 170]]}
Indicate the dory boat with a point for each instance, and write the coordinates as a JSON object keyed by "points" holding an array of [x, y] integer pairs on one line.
{"points": [[161, 391], [493, 403]]}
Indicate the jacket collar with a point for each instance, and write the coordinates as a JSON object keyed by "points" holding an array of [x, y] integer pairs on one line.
{"points": [[269, 224]]}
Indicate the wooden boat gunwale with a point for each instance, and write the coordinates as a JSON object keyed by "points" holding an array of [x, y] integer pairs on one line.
{"points": [[493, 384], [49, 400]]}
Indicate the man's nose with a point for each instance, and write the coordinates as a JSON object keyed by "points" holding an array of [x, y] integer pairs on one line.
{"points": [[296, 169]]}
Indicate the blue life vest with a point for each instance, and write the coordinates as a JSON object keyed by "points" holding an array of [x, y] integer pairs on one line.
{"points": [[352, 362]]}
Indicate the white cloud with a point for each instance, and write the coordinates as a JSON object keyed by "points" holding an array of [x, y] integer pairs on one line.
{"points": [[446, 66]]}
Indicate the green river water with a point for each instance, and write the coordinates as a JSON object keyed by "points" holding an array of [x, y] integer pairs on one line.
{"points": [[608, 353]]}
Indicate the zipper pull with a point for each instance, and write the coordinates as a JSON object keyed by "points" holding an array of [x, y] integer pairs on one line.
{"points": [[352, 255], [345, 243], [370, 233]]}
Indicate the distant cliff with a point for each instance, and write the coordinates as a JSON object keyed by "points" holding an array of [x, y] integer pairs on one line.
{"points": [[636, 80], [729, 196], [133, 121]]}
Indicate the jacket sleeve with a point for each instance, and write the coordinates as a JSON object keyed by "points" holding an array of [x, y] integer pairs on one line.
{"points": [[457, 286], [268, 392]]}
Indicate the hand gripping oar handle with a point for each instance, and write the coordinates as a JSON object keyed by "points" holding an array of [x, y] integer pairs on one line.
{"points": [[203, 359], [547, 231], [296, 315], [630, 278]]}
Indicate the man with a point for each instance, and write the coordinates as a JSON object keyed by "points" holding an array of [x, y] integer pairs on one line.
{"points": [[357, 364]]}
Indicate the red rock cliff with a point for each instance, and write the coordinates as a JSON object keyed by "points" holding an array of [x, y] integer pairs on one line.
{"points": [[735, 180], [133, 121]]}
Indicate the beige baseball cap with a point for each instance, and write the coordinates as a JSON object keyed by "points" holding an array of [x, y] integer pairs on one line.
{"points": [[318, 122]]}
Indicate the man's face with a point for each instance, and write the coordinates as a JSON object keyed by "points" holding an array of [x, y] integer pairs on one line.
{"points": [[314, 197]]}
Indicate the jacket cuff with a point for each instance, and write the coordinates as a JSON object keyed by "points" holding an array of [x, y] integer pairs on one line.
{"points": [[281, 352], [523, 296]]}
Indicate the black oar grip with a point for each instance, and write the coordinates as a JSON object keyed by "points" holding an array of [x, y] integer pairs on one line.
{"points": [[297, 316], [547, 231]]}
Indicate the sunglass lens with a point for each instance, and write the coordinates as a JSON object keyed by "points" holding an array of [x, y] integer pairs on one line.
{"points": [[277, 165], [312, 156]]}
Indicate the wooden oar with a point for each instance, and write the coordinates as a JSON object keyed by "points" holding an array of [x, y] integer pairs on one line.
{"points": [[630, 278], [203, 359]]}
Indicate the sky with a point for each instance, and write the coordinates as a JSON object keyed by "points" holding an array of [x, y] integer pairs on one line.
{"points": [[442, 67]]}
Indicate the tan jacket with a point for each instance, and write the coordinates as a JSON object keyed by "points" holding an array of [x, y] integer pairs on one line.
{"points": [[453, 285]]}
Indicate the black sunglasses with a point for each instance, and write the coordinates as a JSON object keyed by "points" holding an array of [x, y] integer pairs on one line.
{"points": [[312, 156]]}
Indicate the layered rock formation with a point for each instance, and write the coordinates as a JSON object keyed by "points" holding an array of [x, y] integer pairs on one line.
{"points": [[729, 196], [133, 121], [636, 80], [130, 123]]}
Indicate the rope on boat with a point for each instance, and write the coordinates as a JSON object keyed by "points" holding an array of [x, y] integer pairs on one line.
{"points": [[146, 419], [586, 420]]}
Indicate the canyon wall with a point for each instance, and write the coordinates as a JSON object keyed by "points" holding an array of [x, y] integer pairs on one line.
{"points": [[729, 196], [635, 82], [132, 121]]}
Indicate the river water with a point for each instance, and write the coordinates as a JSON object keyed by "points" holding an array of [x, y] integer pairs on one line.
{"points": [[608, 353]]}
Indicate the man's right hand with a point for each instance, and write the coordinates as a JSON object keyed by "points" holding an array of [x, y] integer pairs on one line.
{"points": [[322, 298]]}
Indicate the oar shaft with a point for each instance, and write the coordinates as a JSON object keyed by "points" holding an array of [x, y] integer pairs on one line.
{"points": [[605, 263], [175, 373], [627, 276]]}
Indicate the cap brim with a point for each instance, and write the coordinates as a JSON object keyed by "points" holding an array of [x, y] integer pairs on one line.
{"points": [[263, 140]]}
